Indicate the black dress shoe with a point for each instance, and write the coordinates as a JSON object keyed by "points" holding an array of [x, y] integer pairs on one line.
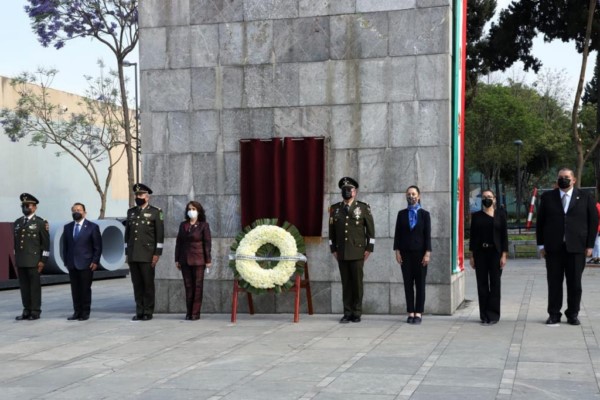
{"points": [[345, 319], [573, 321], [410, 320], [188, 317], [137, 318], [73, 317], [146, 317], [195, 317], [33, 317], [493, 322], [84, 317], [23, 317], [417, 321], [551, 321], [355, 319]]}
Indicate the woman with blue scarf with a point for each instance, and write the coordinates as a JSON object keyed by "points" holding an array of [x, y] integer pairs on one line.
{"points": [[412, 244]]}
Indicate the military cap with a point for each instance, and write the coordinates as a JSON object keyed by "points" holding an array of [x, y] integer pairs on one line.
{"points": [[27, 198], [347, 181], [141, 188]]}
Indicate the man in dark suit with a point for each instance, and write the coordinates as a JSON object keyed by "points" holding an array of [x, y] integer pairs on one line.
{"points": [[81, 250], [144, 237], [32, 248], [567, 224], [351, 239]]}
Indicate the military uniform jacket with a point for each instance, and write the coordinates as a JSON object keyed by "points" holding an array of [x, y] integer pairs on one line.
{"points": [[144, 233], [350, 235], [32, 241]]}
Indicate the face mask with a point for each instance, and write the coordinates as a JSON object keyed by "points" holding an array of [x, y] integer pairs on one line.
{"points": [[487, 203], [140, 202], [411, 200], [26, 211], [563, 182], [346, 193], [193, 214], [77, 216]]}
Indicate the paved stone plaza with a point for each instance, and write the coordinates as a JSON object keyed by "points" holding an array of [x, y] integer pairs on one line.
{"points": [[268, 357]]}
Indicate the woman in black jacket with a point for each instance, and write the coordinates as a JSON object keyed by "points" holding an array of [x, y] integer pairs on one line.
{"points": [[489, 249], [412, 244]]}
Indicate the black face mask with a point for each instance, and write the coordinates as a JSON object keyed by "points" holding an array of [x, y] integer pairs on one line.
{"points": [[563, 182], [77, 216], [26, 211], [487, 203], [411, 200], [346, 193], [140, 202]]}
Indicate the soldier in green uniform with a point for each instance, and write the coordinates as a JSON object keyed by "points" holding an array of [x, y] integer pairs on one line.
{"points": [[144, 237], [32, 248], [352, 239]]}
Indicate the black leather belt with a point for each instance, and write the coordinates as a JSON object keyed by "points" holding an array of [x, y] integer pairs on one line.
{"points": [[487, 245]]}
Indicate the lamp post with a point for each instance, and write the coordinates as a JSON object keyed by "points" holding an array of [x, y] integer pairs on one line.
{"points": [[137, 119], [518, 143]]}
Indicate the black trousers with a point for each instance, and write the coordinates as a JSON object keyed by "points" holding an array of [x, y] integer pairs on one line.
{"points": [[81, 290], [31, 291], [560, 265], [142, 277], [488, 273], [414, 274], [193, 280], [351, 272]]}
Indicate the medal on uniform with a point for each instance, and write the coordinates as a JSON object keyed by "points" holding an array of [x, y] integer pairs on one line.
{"points": [[32, 227], [147, 215], [357, 212]]}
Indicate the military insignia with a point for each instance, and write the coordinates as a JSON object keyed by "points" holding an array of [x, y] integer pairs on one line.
{"points": [[33, 226], [357, 212], [330, 221], [147, 215]]}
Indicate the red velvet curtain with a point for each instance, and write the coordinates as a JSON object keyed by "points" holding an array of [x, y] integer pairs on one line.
{"points": [[283, 182]]}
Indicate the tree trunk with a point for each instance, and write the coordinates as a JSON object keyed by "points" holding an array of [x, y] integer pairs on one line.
{"points": [[575, 114], [127, 129]]}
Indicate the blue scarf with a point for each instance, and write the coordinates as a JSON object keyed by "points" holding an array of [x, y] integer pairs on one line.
{"points": [[412, 215]]}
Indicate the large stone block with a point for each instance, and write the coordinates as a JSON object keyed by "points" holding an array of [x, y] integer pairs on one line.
{"points": [[229, 215], [204, 88], [153, 48], [178, 132], [433, 79], [402, 79], [177, 296], [204, 131], [232, 79], [231, 43], [205, 182], [337, 304], [383, 5], [268, 86], [424, 123], [440, 265], [204, 45], [378, 267], [359, 126], [433, 3], [427, 166], [343, 82], [154, 13], [322, 266], [211, 11], [341, 163], [178, 47], [165, 269], [168, 89], [372, 177], [245, 124], [231, 179], [180, 180], [314, 81], [420, 31], [303, 39], [259, 42], [376, 298], [359, 36], [321, 299], [311, 8], [270, 9], [154, 125], [157, 177], [302, 121], [397, 298]]}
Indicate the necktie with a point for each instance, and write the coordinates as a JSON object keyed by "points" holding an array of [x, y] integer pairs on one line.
{"points": [[346, 208], [76, 231], [565, 198]]}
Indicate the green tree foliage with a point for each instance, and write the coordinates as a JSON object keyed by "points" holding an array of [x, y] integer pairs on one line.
{"points": [[498, 116], [479, 13], [89, 135]]}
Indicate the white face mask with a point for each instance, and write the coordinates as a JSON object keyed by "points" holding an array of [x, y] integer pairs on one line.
{"points": [[193, 214]]}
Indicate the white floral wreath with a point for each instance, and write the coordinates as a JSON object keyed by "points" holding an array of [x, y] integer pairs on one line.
{"points": [[245, 260]]}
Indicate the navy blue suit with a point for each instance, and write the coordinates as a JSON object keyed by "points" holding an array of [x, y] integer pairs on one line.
{"points": [[78, 254]]}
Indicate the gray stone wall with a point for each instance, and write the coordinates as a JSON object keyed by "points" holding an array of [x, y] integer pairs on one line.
{"points": [[373, 76]]}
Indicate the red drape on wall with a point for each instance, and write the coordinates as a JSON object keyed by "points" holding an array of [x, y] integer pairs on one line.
{"points": [[283, 182]]}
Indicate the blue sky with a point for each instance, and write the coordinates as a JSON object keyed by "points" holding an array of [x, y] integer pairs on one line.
{"points": [[21, 51]]}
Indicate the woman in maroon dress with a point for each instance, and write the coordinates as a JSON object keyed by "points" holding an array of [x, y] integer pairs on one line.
{"points": [[192, 256]]}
